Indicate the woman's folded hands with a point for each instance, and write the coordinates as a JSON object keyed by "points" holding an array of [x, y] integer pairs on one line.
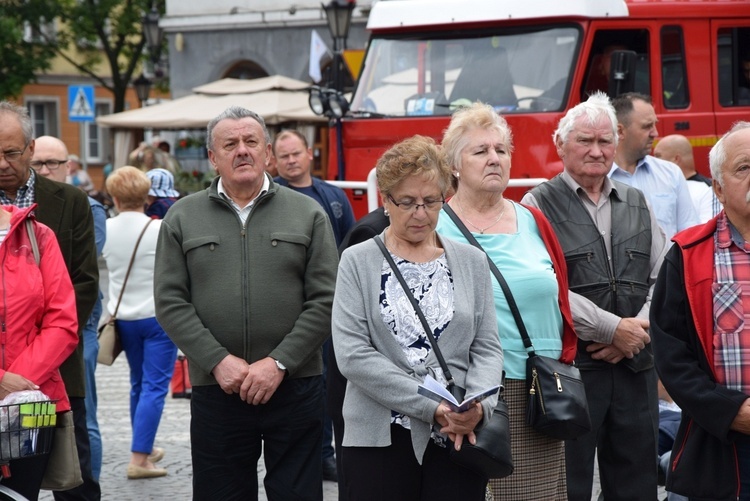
{"points": [[458, 425]]}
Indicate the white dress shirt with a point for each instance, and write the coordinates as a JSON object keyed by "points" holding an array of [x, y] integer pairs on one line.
{"points": [[666, 190]]}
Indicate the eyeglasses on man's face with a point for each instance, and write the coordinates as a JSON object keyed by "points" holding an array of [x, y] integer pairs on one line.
{"points": [[50, 164], [428, 204], [14, 156]]}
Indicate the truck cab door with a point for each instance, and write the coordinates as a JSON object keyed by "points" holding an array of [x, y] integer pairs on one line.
{"points": [[607, 56], [683, 97], [730, 69]]}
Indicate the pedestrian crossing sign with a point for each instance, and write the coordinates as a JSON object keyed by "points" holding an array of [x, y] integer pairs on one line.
{"points": [[81, 103]]}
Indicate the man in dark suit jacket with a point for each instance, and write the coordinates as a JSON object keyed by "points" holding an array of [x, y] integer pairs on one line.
{"points": [[66, 210]]}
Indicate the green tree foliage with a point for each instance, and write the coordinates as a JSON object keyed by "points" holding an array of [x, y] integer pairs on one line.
{"points": [[20, 60], [109, 29], [92, 32]]}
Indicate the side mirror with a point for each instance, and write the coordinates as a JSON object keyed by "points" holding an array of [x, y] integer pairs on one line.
{"points": [[621, 72]]}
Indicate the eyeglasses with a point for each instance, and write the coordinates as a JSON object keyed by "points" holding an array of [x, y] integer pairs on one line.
{"points": [[14, 155], [428, 205], [50, 164]]}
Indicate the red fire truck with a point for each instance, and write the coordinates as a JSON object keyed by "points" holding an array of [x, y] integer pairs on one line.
{"points": [[533, 60]]}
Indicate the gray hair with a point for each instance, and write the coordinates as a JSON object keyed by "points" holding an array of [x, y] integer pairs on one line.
{"points": [[234, 113], [718, 154], [477, 116], [22, 114], [597, 106]]}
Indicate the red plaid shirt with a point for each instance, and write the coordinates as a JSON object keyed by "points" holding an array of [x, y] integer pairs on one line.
{"points": [[731, 291]]}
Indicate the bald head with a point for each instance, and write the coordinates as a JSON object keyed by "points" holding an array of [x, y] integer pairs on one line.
{"points": [[53, 151], [677, 149]]}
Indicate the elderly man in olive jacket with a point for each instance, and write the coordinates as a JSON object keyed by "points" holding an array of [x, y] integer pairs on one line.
{"points": [[244, 280]]}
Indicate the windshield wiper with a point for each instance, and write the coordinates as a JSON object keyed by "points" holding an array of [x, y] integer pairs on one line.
{"points": [[368, 114]]}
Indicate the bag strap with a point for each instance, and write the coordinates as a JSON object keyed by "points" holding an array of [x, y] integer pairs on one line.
{"points": [[413, 300], [32, 239], [130, 267], [499, 276]]}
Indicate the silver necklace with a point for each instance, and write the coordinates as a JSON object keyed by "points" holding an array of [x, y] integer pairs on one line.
{"points": [[482, 230]]}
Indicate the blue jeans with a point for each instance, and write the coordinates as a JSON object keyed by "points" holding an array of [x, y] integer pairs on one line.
{"points": [[90, 351], [151, 356]]}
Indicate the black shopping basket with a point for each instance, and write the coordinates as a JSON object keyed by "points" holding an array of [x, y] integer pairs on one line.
{"points": [[26, 429]]}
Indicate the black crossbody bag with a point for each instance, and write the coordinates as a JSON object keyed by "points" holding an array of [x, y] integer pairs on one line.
{"points": [[491, 455], [557, 405]]}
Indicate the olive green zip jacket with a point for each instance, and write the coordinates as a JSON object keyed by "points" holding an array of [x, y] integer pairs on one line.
{"points": [[258, 290]]}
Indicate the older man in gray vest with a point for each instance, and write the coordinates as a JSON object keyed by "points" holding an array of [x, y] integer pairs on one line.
{"points": [[613, 248]]}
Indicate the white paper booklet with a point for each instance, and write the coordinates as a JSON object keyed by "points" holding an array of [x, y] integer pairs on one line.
{"points": [[434, 390]]}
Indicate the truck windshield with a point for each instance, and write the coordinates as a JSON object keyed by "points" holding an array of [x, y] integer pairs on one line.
{"points": [[516, 72]]}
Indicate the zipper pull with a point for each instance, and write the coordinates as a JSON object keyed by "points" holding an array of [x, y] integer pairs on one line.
{"points": [[559, 383], [532, 389]]}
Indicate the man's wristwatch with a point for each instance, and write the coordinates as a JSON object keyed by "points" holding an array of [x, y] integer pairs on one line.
{"points": [[281, 366]]}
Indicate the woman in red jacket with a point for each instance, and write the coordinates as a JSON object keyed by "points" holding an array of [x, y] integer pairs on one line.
{"points": [[38, 316]]}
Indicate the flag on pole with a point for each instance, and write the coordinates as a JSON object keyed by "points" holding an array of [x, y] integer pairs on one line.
{"points": [[319, 53]]}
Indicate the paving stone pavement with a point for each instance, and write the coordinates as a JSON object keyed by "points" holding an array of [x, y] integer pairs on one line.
{"points": [[113, 389], [173, 435]]}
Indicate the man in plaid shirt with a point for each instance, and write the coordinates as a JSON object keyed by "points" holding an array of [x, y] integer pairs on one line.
{"points": [[701, 339]]}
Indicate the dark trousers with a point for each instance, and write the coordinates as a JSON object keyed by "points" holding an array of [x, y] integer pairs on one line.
{"points": [[624, 428], [26, 473], [327, 451], [743, 458], [392, 473], [227, 436], [335, 391], [89, 490]]}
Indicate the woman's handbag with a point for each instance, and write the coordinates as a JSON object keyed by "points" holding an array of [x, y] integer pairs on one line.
{"points": [[557, 399], [491, 455], [109, 339], [63, 468], [181, 387], [557, 405]]}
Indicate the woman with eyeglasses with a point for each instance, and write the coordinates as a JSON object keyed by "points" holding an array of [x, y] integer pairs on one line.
{"points": [[396, 441], [478, 145]]}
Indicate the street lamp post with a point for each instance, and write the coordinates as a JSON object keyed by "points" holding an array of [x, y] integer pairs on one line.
{"points": [[142, 87], [153, 33], [339, 17]]}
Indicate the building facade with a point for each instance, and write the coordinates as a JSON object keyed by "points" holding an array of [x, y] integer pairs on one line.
{"points": [[231, 38]]}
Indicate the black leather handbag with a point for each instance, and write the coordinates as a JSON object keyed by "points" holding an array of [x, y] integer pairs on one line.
{"points": [[557, 405], [557, 399], [490, 456]]}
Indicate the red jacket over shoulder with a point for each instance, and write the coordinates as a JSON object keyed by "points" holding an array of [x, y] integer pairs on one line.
{"points": [[37, 308], [569, 338]]}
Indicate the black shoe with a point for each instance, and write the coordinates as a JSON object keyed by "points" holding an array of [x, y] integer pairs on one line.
{"points": [[329, 470]]}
